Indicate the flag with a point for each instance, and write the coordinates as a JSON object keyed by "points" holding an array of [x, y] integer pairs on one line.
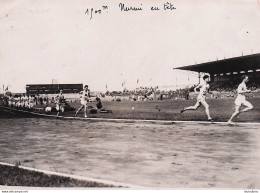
{"points": [[54, 81], [137, 81], [6, 89]]}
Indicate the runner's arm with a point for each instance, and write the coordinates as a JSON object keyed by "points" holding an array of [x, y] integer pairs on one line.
{"points": [[199, 86]]}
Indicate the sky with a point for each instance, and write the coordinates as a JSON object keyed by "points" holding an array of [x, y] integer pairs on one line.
{"points": [[42, 40]]}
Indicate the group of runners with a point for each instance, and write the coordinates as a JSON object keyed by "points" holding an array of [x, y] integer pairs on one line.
{"points": [[84, 99], [240, 100]]}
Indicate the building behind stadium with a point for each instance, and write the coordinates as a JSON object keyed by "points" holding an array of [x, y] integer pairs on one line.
{"points": [[51, 90]]}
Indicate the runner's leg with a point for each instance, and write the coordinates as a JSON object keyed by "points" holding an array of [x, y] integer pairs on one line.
{"points": [[248, 105], [79, 110], [234, 114], [193, 107], [205, 104], [85, 110]]}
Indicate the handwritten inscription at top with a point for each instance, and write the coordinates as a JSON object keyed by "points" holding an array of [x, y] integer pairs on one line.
{"points": [[168, 6], [92, 11], [129, 8]]}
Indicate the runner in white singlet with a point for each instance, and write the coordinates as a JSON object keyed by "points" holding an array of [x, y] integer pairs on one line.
{"points": [[201, 99], [241, 99], [59, 100], [84, 98]]}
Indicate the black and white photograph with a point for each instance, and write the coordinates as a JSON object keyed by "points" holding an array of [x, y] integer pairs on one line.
{"points": [[129, 95]]}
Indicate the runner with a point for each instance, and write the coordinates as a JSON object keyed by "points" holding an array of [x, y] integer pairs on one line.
{"points": [[85, 94], [204, 87], [241, 99], [59, 102]]}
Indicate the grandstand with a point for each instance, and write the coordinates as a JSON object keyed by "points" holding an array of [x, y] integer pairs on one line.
{"points": [[225, 74]]}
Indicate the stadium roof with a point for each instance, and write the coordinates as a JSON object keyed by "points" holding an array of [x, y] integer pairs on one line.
{"points": [[242, 63]]}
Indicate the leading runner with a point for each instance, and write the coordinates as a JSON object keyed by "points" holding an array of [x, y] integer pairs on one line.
{"points": [[201, 99], [241, 99]]}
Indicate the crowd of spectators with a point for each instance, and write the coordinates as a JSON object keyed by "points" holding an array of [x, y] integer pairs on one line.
{"points": [[218, 87], [28, 101], [231, 85], [152, 93], [141, 93]]}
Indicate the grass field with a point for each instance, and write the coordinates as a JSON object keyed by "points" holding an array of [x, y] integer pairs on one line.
{"points": [[220, 110]]}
